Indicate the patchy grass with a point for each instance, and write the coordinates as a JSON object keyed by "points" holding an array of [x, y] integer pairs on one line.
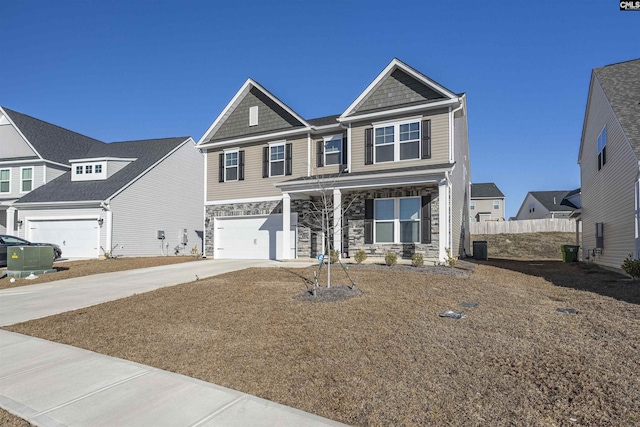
{"points": [[386, 357], [71, 269], [526, 245]]}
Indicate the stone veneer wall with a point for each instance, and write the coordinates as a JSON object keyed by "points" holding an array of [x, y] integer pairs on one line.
{"points": [[303, 243], [355, 222]]}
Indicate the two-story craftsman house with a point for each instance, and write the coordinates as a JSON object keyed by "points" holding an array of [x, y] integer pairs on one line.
{"points": [[391, 173]]}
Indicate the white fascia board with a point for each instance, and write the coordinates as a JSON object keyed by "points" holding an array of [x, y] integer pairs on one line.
{"points": [[248, 200], [243, 90], [396, 111], [247, 139], [325, 128], [372, 180], [127, 185], [75, 203], [35, 162], [100, 159], [586, 113], [20, 132], [396, 64]]}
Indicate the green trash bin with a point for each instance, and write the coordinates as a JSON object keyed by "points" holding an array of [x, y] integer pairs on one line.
{"points": [[569, 253]]}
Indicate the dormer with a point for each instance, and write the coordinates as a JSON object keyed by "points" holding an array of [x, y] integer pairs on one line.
{"points": [[96, 169]]}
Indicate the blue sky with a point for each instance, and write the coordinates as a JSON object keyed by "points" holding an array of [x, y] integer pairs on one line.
{"points": [[125, 70]]}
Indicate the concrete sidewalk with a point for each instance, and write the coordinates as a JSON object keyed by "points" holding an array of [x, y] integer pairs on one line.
{"points": [[53, 384]]}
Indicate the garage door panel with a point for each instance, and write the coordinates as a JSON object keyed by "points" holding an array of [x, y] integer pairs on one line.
{"points": [[78, 238], [252, 238]]}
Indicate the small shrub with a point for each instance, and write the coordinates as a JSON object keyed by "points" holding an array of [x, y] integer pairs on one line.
{"points": [[450, 261], [417, 260], [333, 256], [195, 252], [360, 256], [631, 267], [109, 254], [390, 259]]}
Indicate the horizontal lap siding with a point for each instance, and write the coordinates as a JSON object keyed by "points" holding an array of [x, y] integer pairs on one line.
{"points": [[254, 185], [168, 198], [439, 145], [607, 194], [460, 187], [323, 170]]}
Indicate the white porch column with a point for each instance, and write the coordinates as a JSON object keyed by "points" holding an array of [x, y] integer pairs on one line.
{"points": [[11, 216], [337, 221], [444, 219], [286, 226]]}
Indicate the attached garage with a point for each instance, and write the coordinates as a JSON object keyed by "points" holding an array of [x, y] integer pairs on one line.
{"points": [[78, 238], [255, 237]]}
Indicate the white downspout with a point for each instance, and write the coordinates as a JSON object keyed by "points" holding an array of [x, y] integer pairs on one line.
{"points": [[109, 220], [309, 154]]}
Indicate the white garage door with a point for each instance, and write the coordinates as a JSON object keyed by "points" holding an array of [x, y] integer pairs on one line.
{"points": [[78, 238], [252, 238]]}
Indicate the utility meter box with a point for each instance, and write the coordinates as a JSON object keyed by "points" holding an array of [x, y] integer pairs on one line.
{"points": [[160, 234], [24, 260]]}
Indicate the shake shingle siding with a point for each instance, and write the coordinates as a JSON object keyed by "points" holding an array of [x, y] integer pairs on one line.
{"points": [[608, 193], [399, 89], [271, 117]]}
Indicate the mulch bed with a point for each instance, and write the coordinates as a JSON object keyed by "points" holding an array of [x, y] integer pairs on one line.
{"points": [[386, 357]]}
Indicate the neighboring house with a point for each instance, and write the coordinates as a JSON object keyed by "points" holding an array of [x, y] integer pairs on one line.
{"points": [[394, 166], [487, 203], [544, 204], [88, 196], [609, 161], [573, 199]]}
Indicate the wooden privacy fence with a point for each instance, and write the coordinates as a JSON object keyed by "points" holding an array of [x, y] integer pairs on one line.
{"points": [[524, 226]]}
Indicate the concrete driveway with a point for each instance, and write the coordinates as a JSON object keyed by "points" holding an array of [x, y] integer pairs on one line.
{"points": [[52, 384], [36, 301]]}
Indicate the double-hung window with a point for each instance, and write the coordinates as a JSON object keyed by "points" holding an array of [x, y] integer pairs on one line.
{"points": [[5, 180], [496, 204], [333, 150], [602, 148], [397, 220], [472, 205], [231, 166], [276, 160], [397, 141], [26, 182]]}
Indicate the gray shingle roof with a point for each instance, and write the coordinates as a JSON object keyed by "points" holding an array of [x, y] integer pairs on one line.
{"points": [[322, 121], [621, 85], [147, 153], [551, 200], [50, 141], [485, 189]]}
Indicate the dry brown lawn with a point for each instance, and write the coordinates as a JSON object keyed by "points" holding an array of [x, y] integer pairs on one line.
{"points": [[70, 269], [9, 420], [386, 357]]}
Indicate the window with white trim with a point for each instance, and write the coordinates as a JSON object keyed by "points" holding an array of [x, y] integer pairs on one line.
{"points": [[333, 150], [26, 181], [276, 160], [397, 141], [88, 169], [231, 166], [5, 180], [472, 205], [79, 170], [397, 220], [496, 204], [98, 168], [602, 148]]}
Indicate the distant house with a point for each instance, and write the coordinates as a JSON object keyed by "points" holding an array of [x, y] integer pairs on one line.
{"points": [[487, 203], [88, 196], [609, 160], [544, 204]]}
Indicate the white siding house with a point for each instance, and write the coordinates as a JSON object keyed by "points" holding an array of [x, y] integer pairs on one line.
{"points": [[609, 165]]}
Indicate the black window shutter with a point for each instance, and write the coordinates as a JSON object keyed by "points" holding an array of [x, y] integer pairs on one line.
{"points": [[287, 160], [604, 155], [265, 162], [344, 153], [368, 221], [426, 220], [241, 165], [320, 153], [221, 168], [368, 146], [426, 139]]}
